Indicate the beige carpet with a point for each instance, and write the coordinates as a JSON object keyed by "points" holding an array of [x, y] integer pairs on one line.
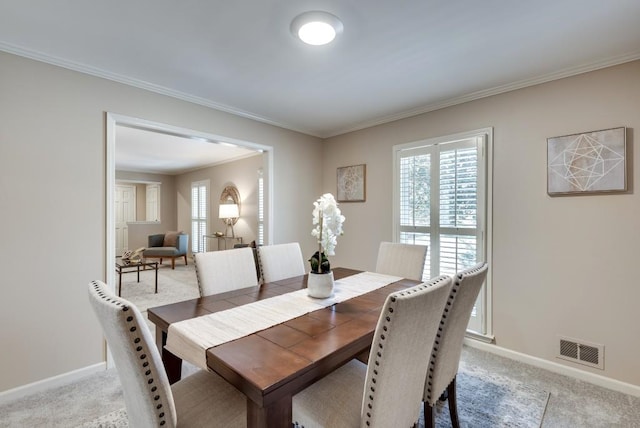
{"points": [[485, 400], [572, 403]]}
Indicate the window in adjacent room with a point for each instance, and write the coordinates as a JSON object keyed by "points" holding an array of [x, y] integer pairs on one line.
{"points": [[152, 202], [199, 214], [440, 200], [260, 238]]}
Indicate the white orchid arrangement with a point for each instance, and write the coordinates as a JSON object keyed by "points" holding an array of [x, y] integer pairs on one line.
{"points": [[327, 221]]}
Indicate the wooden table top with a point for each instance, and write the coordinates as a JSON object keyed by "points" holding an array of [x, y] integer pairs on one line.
{"points": [[284, 359]]}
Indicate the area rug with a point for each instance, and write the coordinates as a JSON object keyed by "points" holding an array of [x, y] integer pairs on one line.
{"points": [[485, 400], [174, 285]]}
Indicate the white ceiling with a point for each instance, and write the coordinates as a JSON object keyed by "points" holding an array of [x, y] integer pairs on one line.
{"points": [[144, 150], [394, 58]]}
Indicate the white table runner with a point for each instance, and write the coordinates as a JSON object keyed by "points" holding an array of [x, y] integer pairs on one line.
{"points": [[190, 339]]}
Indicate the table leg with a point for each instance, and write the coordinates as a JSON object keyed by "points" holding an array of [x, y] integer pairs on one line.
{"points": [[172, 364], [156, 278], [277, 415], [138, 273], [119, 282]]}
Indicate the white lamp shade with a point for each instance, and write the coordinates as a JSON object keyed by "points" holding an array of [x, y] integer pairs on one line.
{"points": [[229, 211]]}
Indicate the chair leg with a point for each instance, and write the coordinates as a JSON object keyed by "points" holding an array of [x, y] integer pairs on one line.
{"points": [[429, 416], [173, 262], [185, 260], [453, 405]]}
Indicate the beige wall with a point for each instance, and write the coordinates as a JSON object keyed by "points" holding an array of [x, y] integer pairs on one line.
{"points": [[52, 196], [138, 233], [244, 175], [561, 266]]}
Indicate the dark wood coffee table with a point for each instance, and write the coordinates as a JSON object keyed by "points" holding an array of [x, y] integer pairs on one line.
{"points": [[272, 365], [128, 267]]}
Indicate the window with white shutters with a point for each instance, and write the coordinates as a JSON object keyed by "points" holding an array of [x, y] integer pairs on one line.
{"points": [[441, 200], [199, 214], [260, 238]]}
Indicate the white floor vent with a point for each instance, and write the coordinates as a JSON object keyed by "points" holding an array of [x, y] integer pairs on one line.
{"points": [[581, 352]]}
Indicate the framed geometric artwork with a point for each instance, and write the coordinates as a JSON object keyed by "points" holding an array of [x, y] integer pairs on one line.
{"points": [[352, 185], [592, 162]]}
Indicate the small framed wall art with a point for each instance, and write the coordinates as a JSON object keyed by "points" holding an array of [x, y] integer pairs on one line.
{"points": [[592, 162], [352, 185]]}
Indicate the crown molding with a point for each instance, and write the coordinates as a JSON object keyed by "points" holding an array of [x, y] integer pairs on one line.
{"points": [[94, 71], [137, 83], [567, 72]]}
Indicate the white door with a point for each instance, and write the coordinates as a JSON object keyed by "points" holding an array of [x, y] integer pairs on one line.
{"points": [[125, 211]]}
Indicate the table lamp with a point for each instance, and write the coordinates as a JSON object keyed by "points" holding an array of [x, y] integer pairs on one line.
{"points": [[229, 212]]}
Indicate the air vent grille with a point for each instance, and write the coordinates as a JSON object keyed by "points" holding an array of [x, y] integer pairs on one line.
{"points": [[569, 349], [582, 352]]}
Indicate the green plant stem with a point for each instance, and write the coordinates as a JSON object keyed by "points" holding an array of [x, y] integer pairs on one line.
{"points": [[320, 244]]}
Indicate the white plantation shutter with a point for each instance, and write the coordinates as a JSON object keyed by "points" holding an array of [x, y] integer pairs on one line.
{"points": [[458, 206], [415, 198], [441, 190], [153, 202], [199, 211], [260, 238]]}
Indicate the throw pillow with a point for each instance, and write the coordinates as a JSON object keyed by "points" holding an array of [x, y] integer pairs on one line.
{"points": [[171, 239]]}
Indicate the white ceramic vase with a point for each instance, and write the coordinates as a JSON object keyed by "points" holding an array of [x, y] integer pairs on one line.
{"points": [[320, 285]]}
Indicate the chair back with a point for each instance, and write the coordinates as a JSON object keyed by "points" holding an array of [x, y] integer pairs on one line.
{"points": [[445, 356], [147, 393], [220, 271], [155, 240], [404, 260], [280, 261], [182, 243], [396, 369]]}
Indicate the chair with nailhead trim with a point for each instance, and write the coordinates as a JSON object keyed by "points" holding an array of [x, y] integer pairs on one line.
{"points": [[201, 400], [404, 260], [445, 356], [386, 392], [220, 271], [280, 261]]}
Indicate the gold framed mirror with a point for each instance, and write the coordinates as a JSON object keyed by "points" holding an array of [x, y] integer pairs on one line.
{"points": [[229, 196]]}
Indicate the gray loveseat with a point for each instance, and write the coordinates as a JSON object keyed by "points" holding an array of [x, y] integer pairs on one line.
{"points": [[171, 245]]}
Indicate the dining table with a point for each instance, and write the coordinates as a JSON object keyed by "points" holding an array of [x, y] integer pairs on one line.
{"points": [[271, 365]]}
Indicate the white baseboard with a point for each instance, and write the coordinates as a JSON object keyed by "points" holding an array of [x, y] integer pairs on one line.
{"points": [[596, 379], [52, 382]]}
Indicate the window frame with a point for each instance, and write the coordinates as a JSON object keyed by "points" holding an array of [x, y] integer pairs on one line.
{"points": [[260, 231], [485, 197], [198, 242]]}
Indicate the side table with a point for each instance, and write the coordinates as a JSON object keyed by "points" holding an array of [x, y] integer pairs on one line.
{"points": [[128, 267], [225, 242]]}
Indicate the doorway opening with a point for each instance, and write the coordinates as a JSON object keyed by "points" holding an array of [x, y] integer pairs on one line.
{"points": [[114, 125]]}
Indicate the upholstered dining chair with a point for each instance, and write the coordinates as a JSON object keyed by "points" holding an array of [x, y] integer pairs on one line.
{"points": [[202, 399], [386, 392], [445, 356], [405, 260], [280, 261], [220, 271]]}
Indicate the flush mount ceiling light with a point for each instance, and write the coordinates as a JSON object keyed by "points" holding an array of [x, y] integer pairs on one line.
{"points": [[316, 27]]}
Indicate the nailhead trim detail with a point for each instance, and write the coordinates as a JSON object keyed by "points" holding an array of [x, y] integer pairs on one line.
{"points": [[458, 279], [382, 338], [139, 348]]}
